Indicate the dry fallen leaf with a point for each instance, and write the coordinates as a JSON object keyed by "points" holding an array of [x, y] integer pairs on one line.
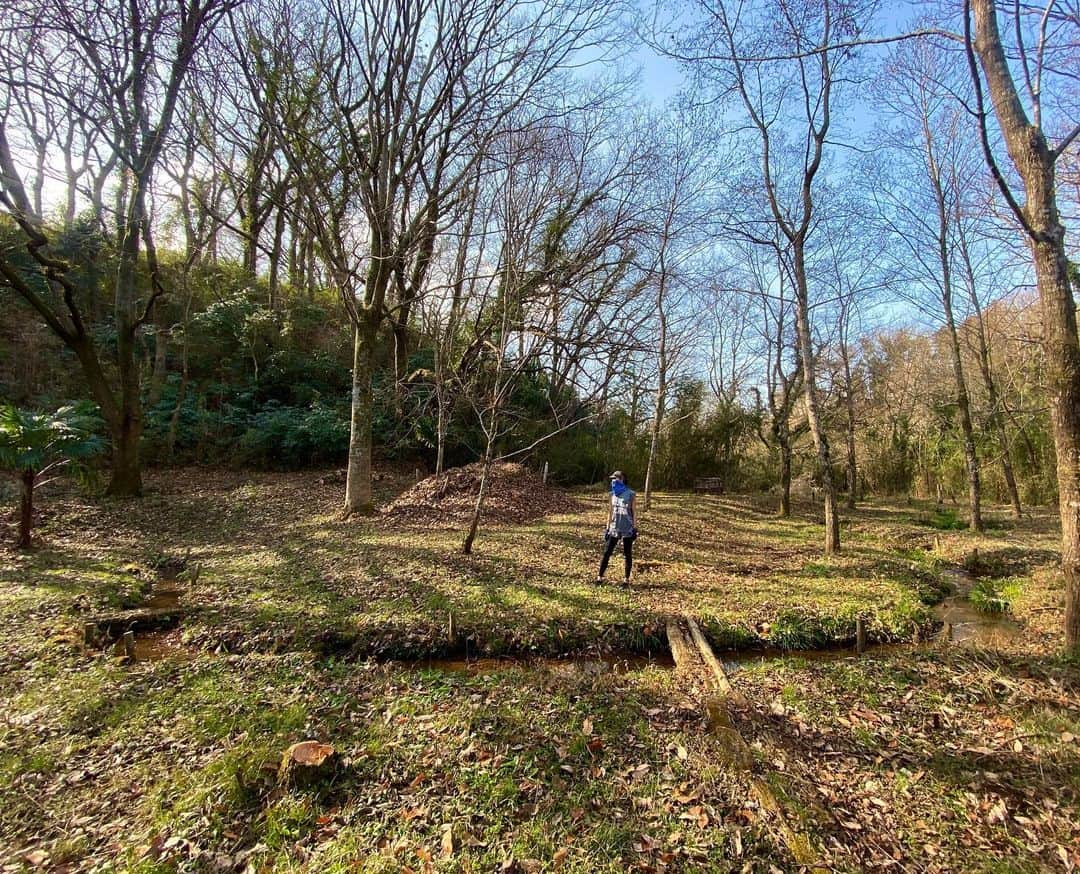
{"points": [[997, 813]]}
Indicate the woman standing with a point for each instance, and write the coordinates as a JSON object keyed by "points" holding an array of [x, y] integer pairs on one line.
{"points": [[621, 526]]}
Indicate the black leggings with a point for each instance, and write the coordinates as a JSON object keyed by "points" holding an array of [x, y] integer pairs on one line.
{"points": [[627, 551]]}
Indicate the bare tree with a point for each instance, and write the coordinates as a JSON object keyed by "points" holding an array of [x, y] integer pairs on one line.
{"points": [[681, 183], [1043, 43], [929, 139], [969, 213], [777, 62], [768, 284]]}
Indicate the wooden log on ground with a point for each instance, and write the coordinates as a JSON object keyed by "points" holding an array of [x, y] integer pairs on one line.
{"points": [[798, 843], [710, 659], [681, 649]]}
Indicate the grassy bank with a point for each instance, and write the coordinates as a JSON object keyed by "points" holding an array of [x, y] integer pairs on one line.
{"points": [[920, 759], [279, 572]]}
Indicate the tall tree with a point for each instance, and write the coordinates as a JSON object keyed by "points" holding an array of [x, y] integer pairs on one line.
{"points": [[103, 63], [968, 220], [778, 62], [770, 285], [681, 182], [1041, 43], [929, 138]]}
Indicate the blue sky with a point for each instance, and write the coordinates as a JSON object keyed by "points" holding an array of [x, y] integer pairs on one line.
{"points": [[662, 77]]}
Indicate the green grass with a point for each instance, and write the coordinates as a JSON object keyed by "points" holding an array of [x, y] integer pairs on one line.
{"points": [[994, 595], [104, 764], [943, 519], [280, 570]]}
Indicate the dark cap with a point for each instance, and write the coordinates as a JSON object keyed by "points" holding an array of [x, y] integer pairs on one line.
{"points": [[617, 475]]}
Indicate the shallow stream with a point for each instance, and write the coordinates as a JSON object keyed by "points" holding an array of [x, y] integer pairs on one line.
{"points": [[961, 624]]}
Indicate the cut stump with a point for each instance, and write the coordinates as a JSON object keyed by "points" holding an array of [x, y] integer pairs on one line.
{"points": [[307, 763]]}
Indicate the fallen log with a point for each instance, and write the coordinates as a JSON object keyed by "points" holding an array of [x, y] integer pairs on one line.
{"points": [[722, 683], [681, 649], [731, 747]]}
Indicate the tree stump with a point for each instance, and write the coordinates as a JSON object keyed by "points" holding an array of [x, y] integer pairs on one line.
{"points": [[306, 763]]}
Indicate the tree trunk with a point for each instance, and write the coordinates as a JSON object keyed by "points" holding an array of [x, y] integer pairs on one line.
{"points": [[126, 473], [785, 478], [275, 260], [996, 421], [440, 433], [813, 406], [358, 496], [478, 509], [401, 364], [1031, 155], [174, 420], [849, 397], [963, 405], [157, 375], [654, 443], [126, 426], [1063, 382], [26, 508], [661, 386]]}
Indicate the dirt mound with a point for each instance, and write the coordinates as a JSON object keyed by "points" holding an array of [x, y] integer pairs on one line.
{"points": [[514, 495]]}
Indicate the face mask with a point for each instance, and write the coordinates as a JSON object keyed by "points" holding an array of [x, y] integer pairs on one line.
{"points": [[618, 487]]}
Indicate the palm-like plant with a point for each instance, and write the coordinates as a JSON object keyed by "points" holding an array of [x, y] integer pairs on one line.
{"points": [[37, 447]]}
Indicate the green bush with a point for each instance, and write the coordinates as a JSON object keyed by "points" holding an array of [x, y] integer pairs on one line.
{"points": [[944, 519], [993, 595], [292, 437]]}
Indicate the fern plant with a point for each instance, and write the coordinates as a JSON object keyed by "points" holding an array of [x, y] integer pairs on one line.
{"points": [[38, 447]]}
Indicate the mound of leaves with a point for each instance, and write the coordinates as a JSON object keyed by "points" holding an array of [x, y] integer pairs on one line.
{"points": [[514, 495]]}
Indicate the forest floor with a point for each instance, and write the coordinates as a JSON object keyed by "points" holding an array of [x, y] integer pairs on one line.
{"points": [[909, 757]]}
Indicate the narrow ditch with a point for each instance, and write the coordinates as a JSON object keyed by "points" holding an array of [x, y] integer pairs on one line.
{"points": [[155, 626]]}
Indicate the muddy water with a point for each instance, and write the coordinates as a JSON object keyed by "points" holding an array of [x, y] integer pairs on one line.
{"points": [[962, 623], [156, 646], [618, 664], [163, 599]]}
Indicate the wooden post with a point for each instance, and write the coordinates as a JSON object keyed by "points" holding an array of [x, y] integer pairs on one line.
{"points": [[545, 473], [450, 636], [860, 634], [129, 645], [416, 474]]}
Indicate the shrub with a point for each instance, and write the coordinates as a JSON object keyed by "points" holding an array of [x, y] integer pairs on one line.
{"points": [[292, 437]]}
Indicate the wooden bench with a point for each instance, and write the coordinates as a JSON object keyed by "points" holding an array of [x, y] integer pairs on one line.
{"points": [[710, 484]]}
